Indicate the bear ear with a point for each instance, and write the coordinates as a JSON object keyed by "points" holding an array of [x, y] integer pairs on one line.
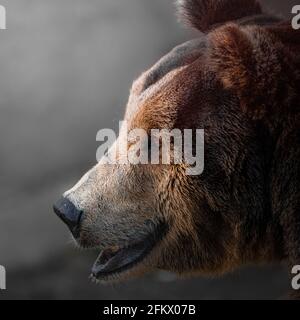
{"points": [[203, 14], [249, 62]]}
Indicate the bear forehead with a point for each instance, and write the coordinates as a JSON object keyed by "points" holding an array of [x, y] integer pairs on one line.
{"points": [[158, 93], [178, 57]]}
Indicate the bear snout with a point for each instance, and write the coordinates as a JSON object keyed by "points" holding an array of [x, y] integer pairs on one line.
{"points": [[69, 214]]}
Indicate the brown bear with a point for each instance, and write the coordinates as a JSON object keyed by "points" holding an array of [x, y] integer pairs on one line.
{"points": [[240, 82]]}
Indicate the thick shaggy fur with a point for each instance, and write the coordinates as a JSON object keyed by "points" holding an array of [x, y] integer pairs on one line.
{"points": [[203, 14], [240, 82]]}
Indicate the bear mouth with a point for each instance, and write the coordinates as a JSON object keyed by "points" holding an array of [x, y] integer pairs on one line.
{"points": [[115, 260]]}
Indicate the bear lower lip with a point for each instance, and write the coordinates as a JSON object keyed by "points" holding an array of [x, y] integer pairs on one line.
{"points": [[116, 260], [109, 262]]}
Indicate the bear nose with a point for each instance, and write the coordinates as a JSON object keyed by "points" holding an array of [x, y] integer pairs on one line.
{"points": [[69, 214]]}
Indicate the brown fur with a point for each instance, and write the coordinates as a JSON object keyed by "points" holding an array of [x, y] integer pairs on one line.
{"points": [[203, 14], [239, 82]]}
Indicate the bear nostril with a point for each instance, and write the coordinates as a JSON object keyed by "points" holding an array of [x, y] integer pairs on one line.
{"points": [[69, 214]]}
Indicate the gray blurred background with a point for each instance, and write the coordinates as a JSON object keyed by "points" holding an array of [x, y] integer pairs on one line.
{"points": [[66, 69]]}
